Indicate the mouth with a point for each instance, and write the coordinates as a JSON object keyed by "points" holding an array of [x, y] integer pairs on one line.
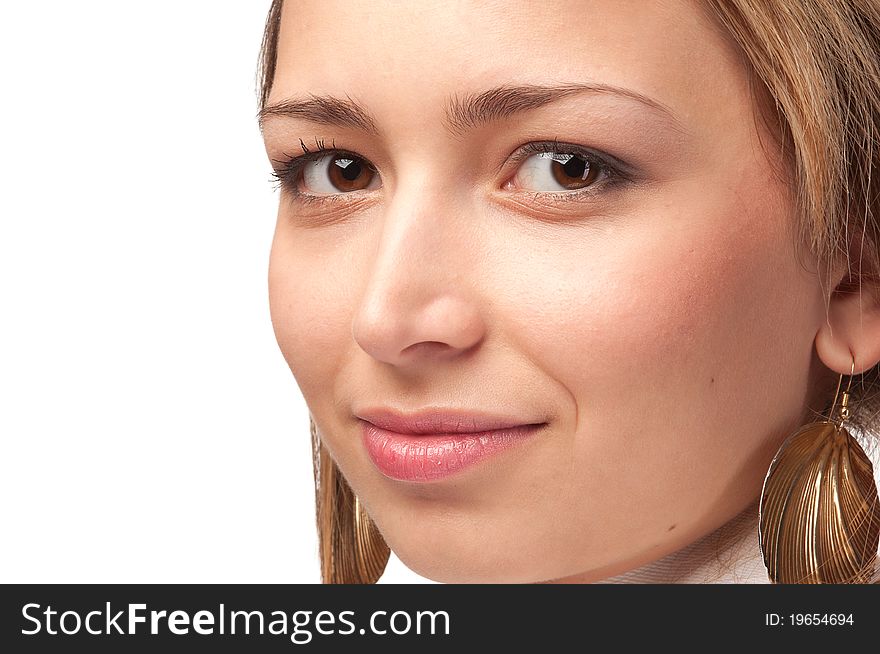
{"points": [[431, 456]]}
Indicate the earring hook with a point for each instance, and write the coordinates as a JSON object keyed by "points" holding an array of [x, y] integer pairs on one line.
{"points": [[844, 408]]}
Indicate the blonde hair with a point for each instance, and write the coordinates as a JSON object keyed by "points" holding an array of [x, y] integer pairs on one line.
{"points": [[815, 73]]}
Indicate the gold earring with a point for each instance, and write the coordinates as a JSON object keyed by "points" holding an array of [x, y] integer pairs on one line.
{"points": [[819, 515], [371, 552], [350, 546]]}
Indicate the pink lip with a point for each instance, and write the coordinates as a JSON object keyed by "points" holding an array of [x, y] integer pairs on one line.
{"points": [[429, 456]]}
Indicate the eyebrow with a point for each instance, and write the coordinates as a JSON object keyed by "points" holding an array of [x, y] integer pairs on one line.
{"points": [[461, 114]]}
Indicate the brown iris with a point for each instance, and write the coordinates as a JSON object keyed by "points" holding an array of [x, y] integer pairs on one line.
{"points": [[349, 173], [572, 171]]}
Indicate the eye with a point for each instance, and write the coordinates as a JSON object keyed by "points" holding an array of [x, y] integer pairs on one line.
{"points": [[325, 175], [569, 172], [338, 173], [548, 168]]}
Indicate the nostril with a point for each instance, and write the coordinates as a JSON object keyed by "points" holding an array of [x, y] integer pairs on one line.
{"points": [[427, 347]]}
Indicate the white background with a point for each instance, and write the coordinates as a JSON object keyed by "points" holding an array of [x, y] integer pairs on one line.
{"points": [[150, 428]]}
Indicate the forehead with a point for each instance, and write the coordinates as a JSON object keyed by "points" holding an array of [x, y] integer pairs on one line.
{"points": [[405, 59]]}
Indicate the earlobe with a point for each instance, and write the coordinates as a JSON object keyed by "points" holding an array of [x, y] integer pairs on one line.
{"points": [[851, 330]]}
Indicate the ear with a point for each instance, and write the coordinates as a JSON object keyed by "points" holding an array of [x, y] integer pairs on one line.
{"points": [[851, 330]]}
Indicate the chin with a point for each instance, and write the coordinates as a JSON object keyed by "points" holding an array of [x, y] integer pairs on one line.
{"points": [[451, 561], [455, 573]]}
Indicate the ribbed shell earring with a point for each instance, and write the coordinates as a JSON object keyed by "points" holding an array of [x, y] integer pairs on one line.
{"points": [[819, 515], [371, 553]]}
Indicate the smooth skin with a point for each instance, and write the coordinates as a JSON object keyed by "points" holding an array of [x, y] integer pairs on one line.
{"points": [[664, 328]]}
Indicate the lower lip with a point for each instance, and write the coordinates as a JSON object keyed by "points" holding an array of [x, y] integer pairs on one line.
{"points": [[427, 457]]}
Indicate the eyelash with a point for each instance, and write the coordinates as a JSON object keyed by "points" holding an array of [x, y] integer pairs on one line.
{"points": [[287, 171]]}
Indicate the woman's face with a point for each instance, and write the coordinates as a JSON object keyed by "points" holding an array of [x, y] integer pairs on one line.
{"points": [[655, 317]]}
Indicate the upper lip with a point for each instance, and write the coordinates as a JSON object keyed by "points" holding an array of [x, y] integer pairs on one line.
{"points": [[439, 421]]}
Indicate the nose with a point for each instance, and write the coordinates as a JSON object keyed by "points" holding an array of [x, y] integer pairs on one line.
{"points": [[420, 298]]}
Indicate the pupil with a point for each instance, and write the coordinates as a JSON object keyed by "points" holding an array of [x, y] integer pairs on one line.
{"points": [[351, 171], [575, 167]]}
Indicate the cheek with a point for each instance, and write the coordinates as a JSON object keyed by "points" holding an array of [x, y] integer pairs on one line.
{"points": [[637, 307], [304, 290], [647, 314]]}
